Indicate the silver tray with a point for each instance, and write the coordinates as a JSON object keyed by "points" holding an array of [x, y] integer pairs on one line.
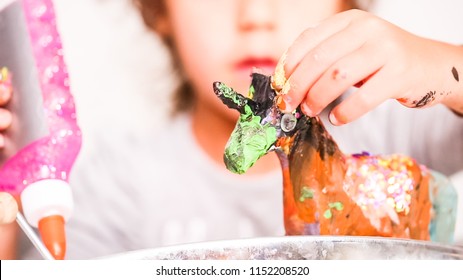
{"points": [[300, 248]]}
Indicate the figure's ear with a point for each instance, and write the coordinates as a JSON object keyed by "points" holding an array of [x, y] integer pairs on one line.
{"points": [[263, 92], [231, 98]]}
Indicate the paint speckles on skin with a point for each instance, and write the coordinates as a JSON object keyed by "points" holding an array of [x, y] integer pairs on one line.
{"points": [[455, 74], [445, 93], [338, 75], [403, 100], [428, 98]]}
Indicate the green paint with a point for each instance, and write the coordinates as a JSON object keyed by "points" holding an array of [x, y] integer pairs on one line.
{"points": [[336, 205], [328, 214], [251, 92], [306, 193], [250, 140]]}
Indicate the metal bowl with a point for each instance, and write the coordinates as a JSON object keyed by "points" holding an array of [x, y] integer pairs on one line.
{"points": [[301, 248]]}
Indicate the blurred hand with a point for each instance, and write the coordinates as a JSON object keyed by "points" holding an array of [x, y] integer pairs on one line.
{"points": [[355, 48], [8, 208], [5, 96]]}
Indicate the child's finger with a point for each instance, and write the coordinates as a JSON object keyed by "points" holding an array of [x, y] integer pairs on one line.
{"points": [[311, 37], [8, 208], [317, 61], [340, 76], [374, 92], [5, 95], [5, 119]]}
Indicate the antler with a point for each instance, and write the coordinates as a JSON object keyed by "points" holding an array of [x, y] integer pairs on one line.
{"points": [[233, 99]]}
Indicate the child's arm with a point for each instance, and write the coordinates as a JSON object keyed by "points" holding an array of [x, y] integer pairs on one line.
{"points": [[384, 61]]}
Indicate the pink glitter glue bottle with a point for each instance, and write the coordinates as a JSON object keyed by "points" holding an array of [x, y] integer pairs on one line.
{"points": [[39, 172]]}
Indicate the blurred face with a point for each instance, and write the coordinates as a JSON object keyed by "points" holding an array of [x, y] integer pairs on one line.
{"points": [[221, 40]]}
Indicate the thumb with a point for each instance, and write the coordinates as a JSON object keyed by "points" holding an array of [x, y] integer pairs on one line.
{"points": [[8, 208]]}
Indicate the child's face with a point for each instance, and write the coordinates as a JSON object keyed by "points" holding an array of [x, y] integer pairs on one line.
{"points": [[221, 40]]}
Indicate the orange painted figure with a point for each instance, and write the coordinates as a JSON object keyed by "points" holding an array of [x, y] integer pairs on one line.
{"points": [[327, 192]]}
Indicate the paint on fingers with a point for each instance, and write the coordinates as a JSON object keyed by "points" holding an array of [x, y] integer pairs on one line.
{"points": [[455, 74]]}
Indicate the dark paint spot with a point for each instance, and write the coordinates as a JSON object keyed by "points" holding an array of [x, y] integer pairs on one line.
{"points": [[429, 97], [455, 74]]}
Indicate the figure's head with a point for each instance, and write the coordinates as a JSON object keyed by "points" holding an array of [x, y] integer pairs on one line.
{"points": [[223, 39], [259, 126]]}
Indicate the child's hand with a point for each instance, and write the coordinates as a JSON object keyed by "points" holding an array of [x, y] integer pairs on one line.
{"points": [[8, 208], [384, 61], [5, 96]]}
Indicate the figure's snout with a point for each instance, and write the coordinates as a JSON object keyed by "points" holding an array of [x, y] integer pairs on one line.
{"points": [[235, 163]]}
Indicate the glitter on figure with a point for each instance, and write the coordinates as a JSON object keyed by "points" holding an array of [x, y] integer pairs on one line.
{"points": [[330, 193]]}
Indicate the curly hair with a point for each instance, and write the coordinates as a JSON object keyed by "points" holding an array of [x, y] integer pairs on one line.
{"points": [[152, 10]]}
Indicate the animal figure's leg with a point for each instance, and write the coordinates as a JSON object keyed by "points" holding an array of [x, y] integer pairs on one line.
{"points": [[444, 204], [294, 225]]}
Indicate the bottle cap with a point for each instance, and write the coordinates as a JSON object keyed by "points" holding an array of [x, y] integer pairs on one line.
{"points": [[45, 198], [47, 204]]}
